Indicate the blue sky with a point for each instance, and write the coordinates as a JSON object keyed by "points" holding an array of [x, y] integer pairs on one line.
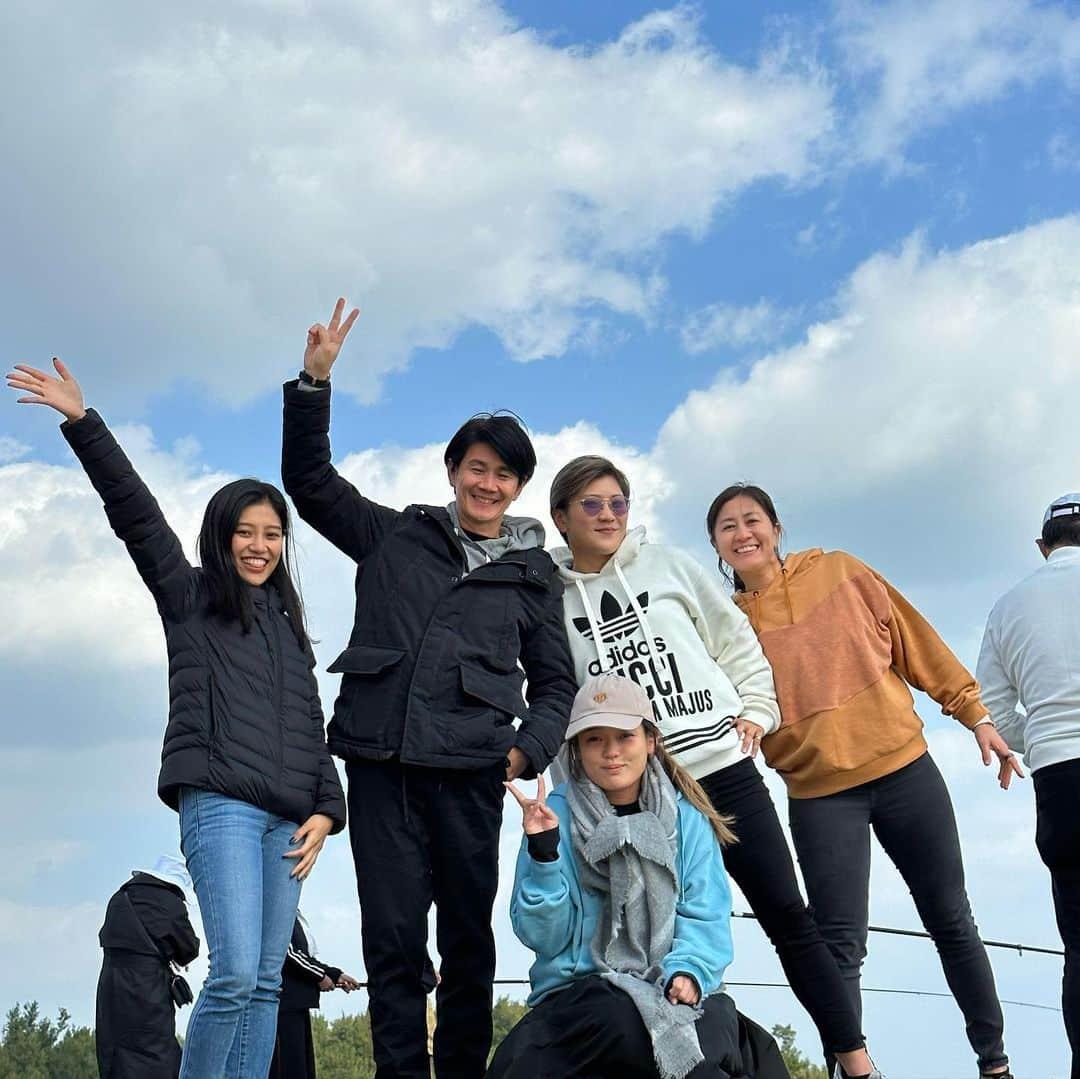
{"points": [[832, 248]]}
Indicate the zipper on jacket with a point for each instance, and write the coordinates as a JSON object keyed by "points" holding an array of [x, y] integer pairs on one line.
{"points": [[278, 668], [212, 714]]}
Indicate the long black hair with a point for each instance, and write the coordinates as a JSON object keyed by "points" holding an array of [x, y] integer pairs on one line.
{"points": [[746, 490], [230, 595]]}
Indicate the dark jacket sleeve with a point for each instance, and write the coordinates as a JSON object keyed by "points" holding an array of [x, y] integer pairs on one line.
{"points": [[301, 964], [328, 502], [164, 916], [134, 515], [549, 670], [329, 797]]}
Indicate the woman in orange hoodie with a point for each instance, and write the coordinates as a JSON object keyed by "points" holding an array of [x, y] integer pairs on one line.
{"points": [[844, 647]]}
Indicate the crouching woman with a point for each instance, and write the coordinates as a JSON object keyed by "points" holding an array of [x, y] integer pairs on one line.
{"points": [[621, 892]]}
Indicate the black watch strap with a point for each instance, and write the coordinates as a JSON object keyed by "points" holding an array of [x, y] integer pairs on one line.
{"points": [[311, 380]]}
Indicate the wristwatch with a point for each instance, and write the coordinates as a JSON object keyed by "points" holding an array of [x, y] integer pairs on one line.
{"points": [[311, 380]]}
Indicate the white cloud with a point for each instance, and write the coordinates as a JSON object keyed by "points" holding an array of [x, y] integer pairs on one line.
{"points": [[918, 62], [1063, 153], [724, 324], [210, 182], [11, 449], [925, 425]]}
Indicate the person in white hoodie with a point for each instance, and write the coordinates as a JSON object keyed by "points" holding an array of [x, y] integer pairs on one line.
{"points": [[1029, 658], [652, 614]]}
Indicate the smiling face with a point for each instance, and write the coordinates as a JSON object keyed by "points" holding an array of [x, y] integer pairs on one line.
{"points": [[256, 543], [484, 487], [615, 760], [593, 540], [747, 540]]}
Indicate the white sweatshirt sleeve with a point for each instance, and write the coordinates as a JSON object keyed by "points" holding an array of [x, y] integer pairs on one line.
{"points": [[997, 691], [732, 642]]}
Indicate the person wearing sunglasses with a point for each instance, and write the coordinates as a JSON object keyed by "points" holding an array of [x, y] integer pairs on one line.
{"points": [[651, 613]]}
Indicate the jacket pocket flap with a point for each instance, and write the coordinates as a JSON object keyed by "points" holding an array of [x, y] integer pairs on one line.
{"points": [[365, 659], [501, 691]]}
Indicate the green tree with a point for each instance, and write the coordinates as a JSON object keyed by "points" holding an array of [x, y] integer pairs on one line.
{"points": [[504, 1017], [343, 1048], [34, 1047], [798, 1064]]}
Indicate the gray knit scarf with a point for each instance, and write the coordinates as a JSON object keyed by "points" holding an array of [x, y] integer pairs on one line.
{"points": [[630, 862]]}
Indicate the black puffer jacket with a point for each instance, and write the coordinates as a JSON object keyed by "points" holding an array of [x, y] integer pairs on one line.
{"points": [[244, 712], [431, 673]]}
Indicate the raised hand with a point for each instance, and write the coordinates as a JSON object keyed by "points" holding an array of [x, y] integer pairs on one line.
{"points": [[324, 342], [61, 393], [536, 817]]}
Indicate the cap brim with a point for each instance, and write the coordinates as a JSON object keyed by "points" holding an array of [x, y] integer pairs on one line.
{"points": [[619, 720]]}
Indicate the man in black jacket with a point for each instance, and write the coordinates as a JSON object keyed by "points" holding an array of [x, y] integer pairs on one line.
{"points": [[146, 927], [453, 604]]}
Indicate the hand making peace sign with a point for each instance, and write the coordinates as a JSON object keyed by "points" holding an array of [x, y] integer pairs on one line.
{"points": [[324, 342], [536, 817]]}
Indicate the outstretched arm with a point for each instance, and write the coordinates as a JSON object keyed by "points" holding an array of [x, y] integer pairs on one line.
{"points": [[323, 498], [132, 510]]}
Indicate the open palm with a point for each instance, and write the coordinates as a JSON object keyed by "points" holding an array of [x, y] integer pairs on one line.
{"points": [[61, 393]]}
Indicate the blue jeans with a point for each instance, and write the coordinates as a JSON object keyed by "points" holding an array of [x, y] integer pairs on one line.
{"points": [[248, 903]]}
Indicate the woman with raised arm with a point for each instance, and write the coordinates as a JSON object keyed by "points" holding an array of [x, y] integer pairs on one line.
{"points": [[244, 759], [652, 613], [620, 890], [844, 647]]}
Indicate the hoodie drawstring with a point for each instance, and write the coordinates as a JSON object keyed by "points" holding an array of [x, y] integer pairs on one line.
{"points": [[594, 625]]}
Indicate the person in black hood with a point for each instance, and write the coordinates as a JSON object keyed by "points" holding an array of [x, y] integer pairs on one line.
{"points": [[146, 928], [245, 760], [455, 607]]}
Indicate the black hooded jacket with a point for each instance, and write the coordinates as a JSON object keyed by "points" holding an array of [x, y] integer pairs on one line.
{"points": [[244, 713], [431, 674]]}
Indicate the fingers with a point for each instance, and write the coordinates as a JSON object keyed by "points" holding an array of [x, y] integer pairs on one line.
{"points": [[32, 371], [348, 323], [520, 798], [61, 369], [540, 788], [335, 318]]}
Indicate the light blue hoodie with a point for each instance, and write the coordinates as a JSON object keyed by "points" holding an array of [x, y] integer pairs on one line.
{"points": [[554, 916]]}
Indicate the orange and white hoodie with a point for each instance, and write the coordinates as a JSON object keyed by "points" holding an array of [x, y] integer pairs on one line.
{"points": [[844, 645]]}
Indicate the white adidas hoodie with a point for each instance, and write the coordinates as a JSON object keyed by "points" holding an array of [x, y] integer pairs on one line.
{"points": [[654, 615]]}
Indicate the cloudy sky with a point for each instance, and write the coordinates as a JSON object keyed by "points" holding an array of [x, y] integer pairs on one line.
{"points": [[831, 248]]}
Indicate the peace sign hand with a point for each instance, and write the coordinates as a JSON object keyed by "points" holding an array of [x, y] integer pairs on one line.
{"points": [[61, 393], [324, 342], [536, 817]]}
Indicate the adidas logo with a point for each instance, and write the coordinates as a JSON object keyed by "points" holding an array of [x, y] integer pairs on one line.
{"points": [[614, 621]]}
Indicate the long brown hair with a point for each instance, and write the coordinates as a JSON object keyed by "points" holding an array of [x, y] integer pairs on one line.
{"points": [[681, 780]]}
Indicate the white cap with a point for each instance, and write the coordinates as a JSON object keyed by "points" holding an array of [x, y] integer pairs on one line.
{"points": [[1063, 506], [609, 700], [172, 870]]}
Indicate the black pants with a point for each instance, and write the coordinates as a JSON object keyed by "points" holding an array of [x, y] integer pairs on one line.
{"points": [[1057, 835], [294, 1051], [760, 863], [423, 835], [912, 817], [591, 1030]]}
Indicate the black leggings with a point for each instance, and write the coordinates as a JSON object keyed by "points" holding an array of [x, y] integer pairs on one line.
{"points": [[760, 863], [912, 816]]}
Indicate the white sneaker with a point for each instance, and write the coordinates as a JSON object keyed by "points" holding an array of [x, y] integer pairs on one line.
{"points": [[839, 1073]]}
